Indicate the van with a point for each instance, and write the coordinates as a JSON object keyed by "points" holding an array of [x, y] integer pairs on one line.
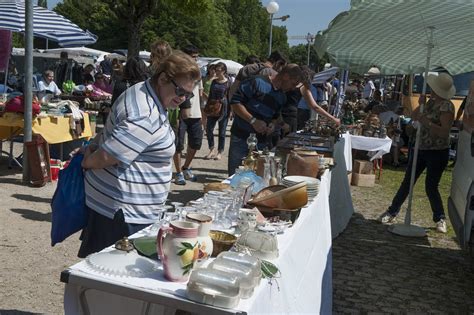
{"points": [[413, 85], [461, 198]]}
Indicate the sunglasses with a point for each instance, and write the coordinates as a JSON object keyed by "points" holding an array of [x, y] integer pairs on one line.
{"points": [[180, 92]]}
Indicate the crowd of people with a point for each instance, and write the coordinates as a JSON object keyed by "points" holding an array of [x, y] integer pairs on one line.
{"points": [[163, 111]]}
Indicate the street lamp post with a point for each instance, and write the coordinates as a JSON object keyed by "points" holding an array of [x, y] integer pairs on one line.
{"points": [[310, 39], [272, 8]]}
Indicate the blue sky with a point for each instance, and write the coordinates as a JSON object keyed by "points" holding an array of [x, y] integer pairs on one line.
{"points": [[305, 15]]}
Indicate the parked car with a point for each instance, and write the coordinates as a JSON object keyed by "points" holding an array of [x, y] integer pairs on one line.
{"points": [[461, 199]]}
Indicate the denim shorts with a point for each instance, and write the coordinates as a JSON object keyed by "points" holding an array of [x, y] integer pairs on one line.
{"points": [[193, 127]]}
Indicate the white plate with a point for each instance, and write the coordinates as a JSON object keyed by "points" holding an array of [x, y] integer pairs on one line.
{"points": [[297, 179], [267, 228]]}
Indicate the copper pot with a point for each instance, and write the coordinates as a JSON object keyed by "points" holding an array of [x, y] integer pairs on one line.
{"points": [[302, 162]]}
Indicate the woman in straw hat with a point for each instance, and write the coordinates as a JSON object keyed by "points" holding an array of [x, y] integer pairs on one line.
{"points": [[435, 123]]}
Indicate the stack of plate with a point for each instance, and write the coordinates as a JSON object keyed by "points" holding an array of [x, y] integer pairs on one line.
{"points": [[311, 182]]}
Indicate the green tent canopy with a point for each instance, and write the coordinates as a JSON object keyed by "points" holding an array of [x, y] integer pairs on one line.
{"points": [[394, 35]]}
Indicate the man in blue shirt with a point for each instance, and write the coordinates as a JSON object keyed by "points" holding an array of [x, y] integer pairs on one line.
{"points": [[257, 105]]}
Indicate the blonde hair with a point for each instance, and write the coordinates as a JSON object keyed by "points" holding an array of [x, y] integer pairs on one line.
{"points": [[178, 64], [160, 49]]}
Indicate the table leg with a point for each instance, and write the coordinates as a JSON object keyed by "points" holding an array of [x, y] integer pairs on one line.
{"points": [[378, 166], [83, 302]]}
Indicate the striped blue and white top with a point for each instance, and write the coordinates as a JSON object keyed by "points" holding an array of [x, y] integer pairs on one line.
{"points": [[138, 134]]}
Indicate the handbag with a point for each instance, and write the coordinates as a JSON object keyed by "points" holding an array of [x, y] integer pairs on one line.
{"points": [[69, 212], [213, 108]]}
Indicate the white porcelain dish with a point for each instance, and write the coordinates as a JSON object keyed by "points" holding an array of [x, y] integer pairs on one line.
{"points": [[243, 259], [261, 245], [121, 264], [298, 179], [245, 274], [213, 287]]}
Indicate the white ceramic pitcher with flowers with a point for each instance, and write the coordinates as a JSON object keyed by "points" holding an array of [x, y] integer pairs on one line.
{"points": [[178, 249]]}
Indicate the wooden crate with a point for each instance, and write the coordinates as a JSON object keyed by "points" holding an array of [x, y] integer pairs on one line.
{"points": [[363, 180], [363, 167]]}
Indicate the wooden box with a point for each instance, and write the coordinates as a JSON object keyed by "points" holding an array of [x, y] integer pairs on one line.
{"points": [[363, 167], [363, 180]]}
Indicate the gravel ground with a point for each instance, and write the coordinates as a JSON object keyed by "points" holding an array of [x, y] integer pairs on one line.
{"points": [[373, 270]]}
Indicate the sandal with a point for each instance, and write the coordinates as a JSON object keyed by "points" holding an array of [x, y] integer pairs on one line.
{"points": [[210, 155]]}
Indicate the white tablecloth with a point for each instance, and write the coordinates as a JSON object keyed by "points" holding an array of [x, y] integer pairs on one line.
{"points": [[377, 147], [305, 286], [340, 199]]}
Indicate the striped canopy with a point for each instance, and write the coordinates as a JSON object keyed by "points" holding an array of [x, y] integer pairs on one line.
{"points": [[394, 34], [46, 24]]}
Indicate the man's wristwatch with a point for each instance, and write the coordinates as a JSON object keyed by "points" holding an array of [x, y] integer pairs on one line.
{"points": [[252, 120]]}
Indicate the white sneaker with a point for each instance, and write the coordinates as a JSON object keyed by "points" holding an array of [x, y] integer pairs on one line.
{"points": [[387, 218], [441, 226]]}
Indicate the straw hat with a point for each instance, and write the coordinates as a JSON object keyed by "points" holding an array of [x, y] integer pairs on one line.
{"points": [[374, 71], [442, 85]]}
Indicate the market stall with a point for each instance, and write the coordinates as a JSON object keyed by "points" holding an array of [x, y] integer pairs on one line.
{"points": [[54, 129], [304, 285], [377, 147]]}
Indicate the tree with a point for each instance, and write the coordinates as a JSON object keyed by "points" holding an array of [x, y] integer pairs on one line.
{"points": [[96, 16], [249, 24], [229, 29], [133, 13], [299, 54], [280, 40], [180, 28], [43, 3]]}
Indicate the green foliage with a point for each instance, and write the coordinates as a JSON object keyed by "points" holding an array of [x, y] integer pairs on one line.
{"points": [[97, 17], [18, 40], [280, 40], [43, 3], [299, 54], [230, 29], [421, 209]]}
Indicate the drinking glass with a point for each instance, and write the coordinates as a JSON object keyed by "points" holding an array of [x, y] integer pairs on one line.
{"points": [[221, 218], [161, 211], [184, 210]]}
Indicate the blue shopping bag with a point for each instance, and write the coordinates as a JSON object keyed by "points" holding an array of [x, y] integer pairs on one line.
{"points": [[69, 213]]}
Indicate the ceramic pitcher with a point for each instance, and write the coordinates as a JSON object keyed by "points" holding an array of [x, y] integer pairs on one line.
{"points": [[178, 249], [205, 241], [302, 162]]}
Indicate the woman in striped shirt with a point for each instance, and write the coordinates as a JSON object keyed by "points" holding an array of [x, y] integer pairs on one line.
{"points": [[129, 165]]}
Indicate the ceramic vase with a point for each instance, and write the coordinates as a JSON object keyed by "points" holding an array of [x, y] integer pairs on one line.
{"points": [[178, 249], [205, 241]]}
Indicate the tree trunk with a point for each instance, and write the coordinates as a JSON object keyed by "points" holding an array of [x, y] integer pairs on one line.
{"points": [[133, 40]]}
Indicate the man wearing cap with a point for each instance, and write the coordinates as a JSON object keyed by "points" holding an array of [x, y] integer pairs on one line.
{"points": [[433, 155]]}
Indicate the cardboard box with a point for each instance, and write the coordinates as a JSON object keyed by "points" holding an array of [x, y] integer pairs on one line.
{"points": [[363, 180], [363, 167]]}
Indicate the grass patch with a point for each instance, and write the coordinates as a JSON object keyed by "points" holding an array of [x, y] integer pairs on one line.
{"points": [[421, 209]]}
